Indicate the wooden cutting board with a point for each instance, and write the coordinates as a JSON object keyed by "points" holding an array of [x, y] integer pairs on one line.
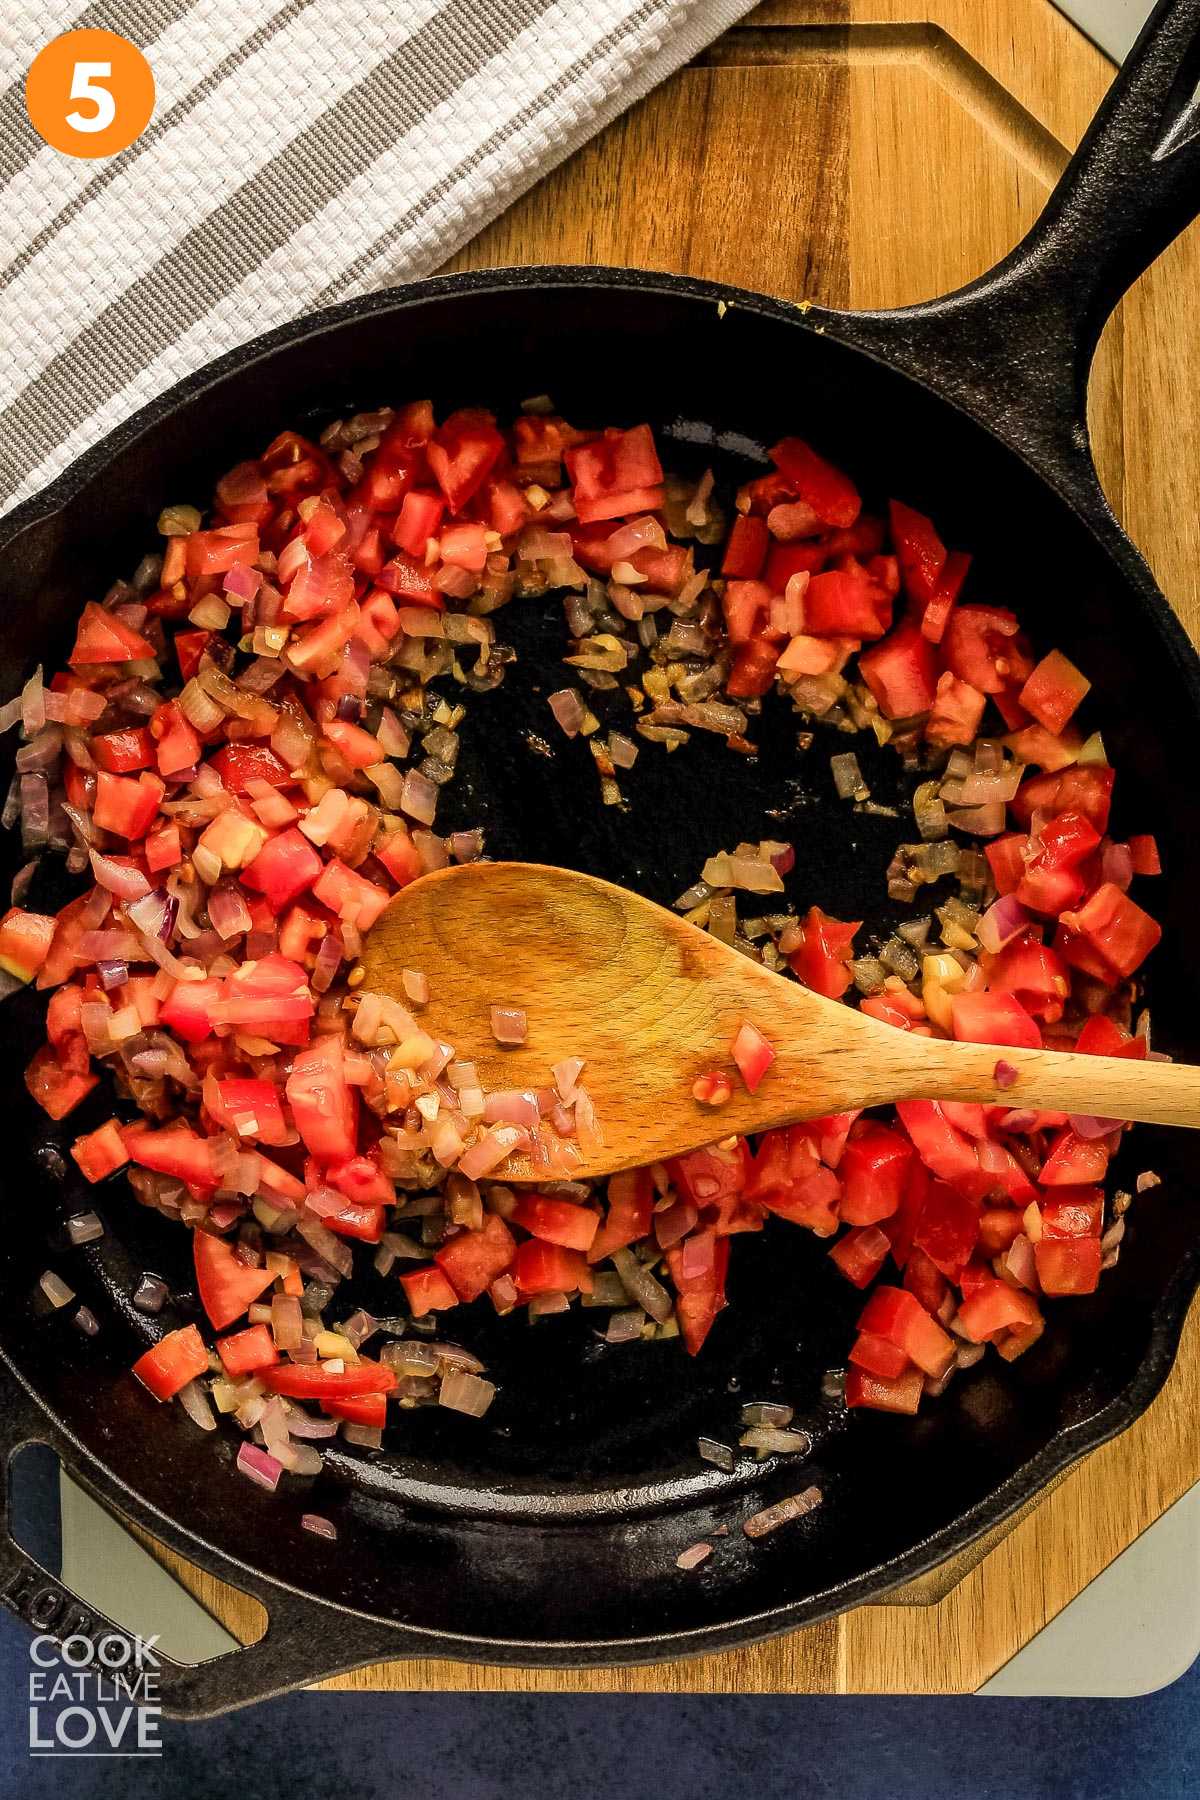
{"points": [[863, 153]]}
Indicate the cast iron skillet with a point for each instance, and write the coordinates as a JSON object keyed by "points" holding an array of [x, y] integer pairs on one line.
{"points": [[549, 1535]]}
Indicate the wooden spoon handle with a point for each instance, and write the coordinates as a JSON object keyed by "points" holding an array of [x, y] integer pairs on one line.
{"points": [[1110, 1087]]}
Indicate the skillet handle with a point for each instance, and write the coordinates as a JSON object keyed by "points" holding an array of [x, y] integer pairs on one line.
{"points": [[304, 1641], [1014, 347]]}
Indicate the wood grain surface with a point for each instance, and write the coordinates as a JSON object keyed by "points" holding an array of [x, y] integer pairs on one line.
{"points": [[863, 153]]}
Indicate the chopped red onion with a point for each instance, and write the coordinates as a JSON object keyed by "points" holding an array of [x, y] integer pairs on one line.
{"points": [[569, 710], [259, 1466], [1088, 1125], [319, 1526], [84, 1228], [1001, 923], [1005, 1075], [125, 882], [509, 1025]]}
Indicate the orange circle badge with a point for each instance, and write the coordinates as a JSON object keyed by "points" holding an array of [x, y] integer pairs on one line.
{"points": [[89, 93]]}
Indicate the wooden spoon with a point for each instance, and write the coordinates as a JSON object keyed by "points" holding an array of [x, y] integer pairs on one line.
{"points": [[651, 1002]]}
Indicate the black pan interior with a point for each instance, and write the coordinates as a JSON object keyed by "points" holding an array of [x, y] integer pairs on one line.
{"points": [[555, 1524]]}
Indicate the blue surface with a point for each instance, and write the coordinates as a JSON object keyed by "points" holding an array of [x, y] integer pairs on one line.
{"points": [[482, 1747]]}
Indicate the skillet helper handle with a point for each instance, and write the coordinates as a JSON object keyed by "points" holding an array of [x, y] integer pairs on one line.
{"points": [[1014, 347], [304, 1641], [1108, 1087]]}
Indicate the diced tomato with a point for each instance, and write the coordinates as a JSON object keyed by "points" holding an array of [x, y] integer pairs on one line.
{"points": [[187, 1010], [313, 1381], [1053, 691], [746, 604], [830, 493], [753, 669], [902, 1395], [163, 848], [861, 1254], [176, 1150], [1074, 1161], [239, 764], [101, 1152], [354, 899], [746, 549], [921, 551], [874, 1173], [938, 609], [948, 1228], [542, 1268], [557, 1221], [1006, 861], [982, 645], [822, 961], [56, 1089], [630, 1210], [466, 546], [995, 1307], [1102, 1036], [125, 806], [246, 1352], [1072, 1212], [710, 1176], [1144, 852], [1068, 1265], [876, 1356], [176, 743], [993, 1018], [462, 454], [925, 1281], [901, 672], [252, 1109], [365, 1223], [1116, 928], [789, 1181], [285, 867], [846, 602], [25, 940], [361, 1409], [615, 474], [699, 1296], [122, 752], [1087, 790], [428, 1290], [215, 552], [226, 1285], [897, 1315], [190, 649], [102, 637], [418, 520], [1034, 974], [169, 1365], [324, 1105], [472, 1260]]}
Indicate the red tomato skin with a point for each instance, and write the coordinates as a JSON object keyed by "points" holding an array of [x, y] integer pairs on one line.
{"points": [[902, 1395], [830, 493], [324, 1106], [428, 1290], [359, 1409], [874, 1173], [101, 1152], [226, 1285], [861, 1254], [246, 1352], [746, 549], [238, 764], [541, 1268], [698, 1298], [630, 1212], [169, 1365], [472, 1260], [557, 1221], [310, 1381], [285, 867], [1068, 1265]]}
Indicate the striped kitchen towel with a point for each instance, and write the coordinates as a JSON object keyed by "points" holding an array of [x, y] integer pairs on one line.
{"points": [[300, 152]]}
